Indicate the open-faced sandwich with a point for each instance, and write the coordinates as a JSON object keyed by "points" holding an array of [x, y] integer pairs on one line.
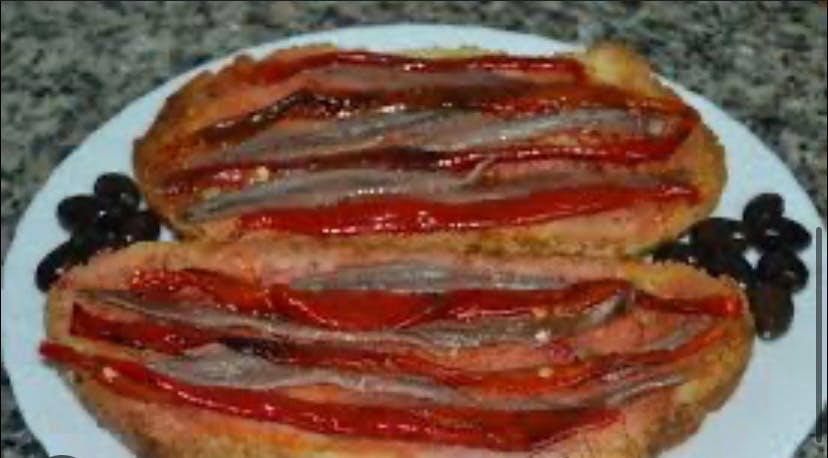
{"points": [[378, 264], [580, 153], [263, 348]]}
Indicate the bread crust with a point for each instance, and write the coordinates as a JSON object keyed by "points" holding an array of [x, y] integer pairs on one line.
{"points": [[699, 160], [651, 423]]}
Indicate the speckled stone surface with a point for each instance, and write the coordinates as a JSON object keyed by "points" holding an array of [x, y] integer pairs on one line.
{"points": [[67, 68]]}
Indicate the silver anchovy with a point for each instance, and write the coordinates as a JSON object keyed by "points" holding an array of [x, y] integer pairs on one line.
{"points": [[445, 335]]}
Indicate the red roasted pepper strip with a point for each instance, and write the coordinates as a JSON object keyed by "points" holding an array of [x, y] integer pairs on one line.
{"points": [[356, 310], [163, 338], [496, 430], [228, 292], [404, 214], [723, 306], [279, 69], [371, 310]]}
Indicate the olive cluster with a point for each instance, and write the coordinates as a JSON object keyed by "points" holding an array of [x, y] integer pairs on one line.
{"points": [[110, 218], [718, 245]]}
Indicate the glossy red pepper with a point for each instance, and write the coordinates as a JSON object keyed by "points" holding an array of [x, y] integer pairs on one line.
{"points": [[721, 305], [490, 429], [358, 310], [374, 310], [227, 292], [404, 214], [275, 70], [142, 335]]}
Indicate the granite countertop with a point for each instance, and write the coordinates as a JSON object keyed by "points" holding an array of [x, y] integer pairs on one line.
{"points": [[68, 67]]}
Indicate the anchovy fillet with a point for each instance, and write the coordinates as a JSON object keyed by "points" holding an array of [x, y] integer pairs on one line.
{"points": [[420, 277], [440, 335]]}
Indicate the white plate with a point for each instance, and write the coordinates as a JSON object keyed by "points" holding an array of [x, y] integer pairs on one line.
{"points": [[770, 413]]}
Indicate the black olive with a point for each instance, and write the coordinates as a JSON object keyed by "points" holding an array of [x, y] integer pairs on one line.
{"points": [[783, 267], [762, 209], [678, 252], [780, 233], [115, 239], [119, 188], [54, 264], [88, 241], [113, 215], [722, 233], [796, 235], [730, 263], [141, 226], [772, 309], [78, 211]]}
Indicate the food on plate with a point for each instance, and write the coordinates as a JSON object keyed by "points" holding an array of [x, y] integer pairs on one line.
{"points": [[783, 267], [763, 208], [116, 187], [781, 232], [718, 246], [773, 310], [721, 233], [108, 219], [715, 244], [767, 227], [464, 149], [678, 251], [731, 264], [54, 264], [286, 348]]}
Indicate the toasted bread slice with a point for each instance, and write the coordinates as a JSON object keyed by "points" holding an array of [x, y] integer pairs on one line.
{"points": [[649, 423], [213, 97]]}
